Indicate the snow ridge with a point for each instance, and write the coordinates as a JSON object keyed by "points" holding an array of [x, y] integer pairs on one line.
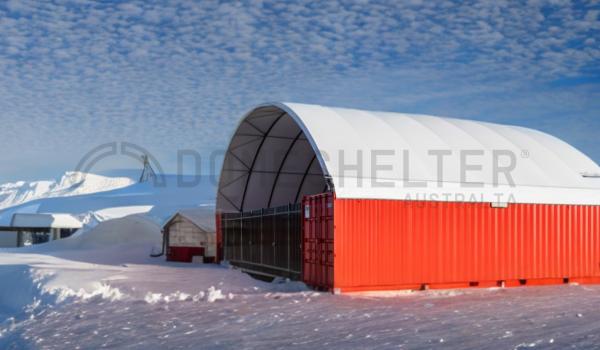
{"points": [[70, 184]]}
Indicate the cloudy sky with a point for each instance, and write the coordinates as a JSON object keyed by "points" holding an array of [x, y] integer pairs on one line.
{"points": [[179, 74]]}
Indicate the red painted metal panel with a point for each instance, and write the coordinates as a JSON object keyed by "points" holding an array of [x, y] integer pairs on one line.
{"points": [[317, 242], [184, 254], [219, 252], [383, 244]]}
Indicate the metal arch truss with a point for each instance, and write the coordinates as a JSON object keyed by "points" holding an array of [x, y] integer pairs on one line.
{"points": [[265, 135], [247, 173], [281, 167]]}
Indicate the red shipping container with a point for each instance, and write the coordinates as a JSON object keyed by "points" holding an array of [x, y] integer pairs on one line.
{"points": [[219, 250], [317, 242], [387, 244]]}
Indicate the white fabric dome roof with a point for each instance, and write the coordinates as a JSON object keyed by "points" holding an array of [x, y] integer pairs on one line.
{"points": [[282, 151]]}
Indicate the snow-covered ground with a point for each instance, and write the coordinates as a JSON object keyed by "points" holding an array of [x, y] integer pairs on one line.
{"points": [[101, 289], [117, 297]]}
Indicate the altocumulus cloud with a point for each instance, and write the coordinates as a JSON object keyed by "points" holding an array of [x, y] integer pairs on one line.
{"points": [[178, 74]]}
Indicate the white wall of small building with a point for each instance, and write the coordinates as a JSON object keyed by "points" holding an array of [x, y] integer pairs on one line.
{"points": [[184, 233]]}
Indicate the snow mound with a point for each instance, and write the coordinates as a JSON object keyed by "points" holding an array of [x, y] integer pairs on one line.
{"points": [[63, 293], [129, 229], [210, 296], [100, 235], [71, 184]]}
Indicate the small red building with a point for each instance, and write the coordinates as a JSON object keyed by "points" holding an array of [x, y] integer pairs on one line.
{"points": [[190, 236], [352, 200]]}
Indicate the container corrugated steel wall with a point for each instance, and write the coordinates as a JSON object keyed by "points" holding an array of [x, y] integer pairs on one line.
{"points": [[219, 252], [385, 244]]}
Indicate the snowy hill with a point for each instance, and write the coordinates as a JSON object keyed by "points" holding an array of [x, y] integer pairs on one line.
{"points": [[100, 198], [71, 184]]}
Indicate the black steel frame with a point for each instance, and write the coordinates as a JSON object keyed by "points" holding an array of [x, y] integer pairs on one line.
{"points": [[278, 233]]}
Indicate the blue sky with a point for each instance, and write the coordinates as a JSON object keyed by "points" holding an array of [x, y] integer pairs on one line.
{"points": [[179, 74]]}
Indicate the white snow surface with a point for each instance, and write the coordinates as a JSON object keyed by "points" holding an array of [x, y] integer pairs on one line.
{"points": [[117, 297], [101, 289]]}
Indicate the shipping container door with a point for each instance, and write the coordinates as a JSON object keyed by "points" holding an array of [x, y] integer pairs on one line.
{"points": [[326, 240], [318, 241], [219, 238], [309, 261]]}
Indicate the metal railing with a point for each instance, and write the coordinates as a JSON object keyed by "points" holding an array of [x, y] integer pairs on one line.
{"points": [[267, 240]]}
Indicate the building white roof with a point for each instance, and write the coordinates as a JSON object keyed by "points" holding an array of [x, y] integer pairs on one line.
{"points": [[269, 159], [204, 219], [45, 220]]}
